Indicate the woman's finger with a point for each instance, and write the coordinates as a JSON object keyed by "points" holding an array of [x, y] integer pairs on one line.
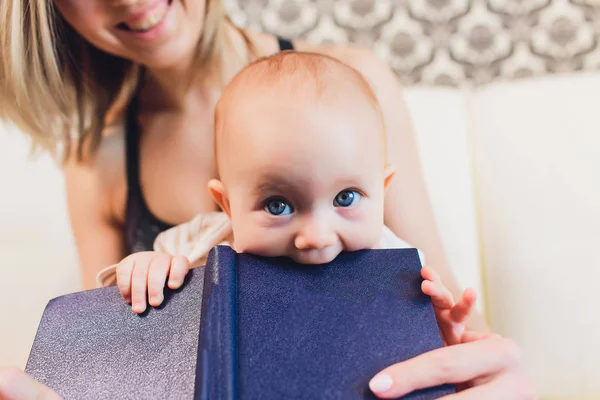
{"points": [[453, 364], [180, 266], [17, 385], [511, 386]]}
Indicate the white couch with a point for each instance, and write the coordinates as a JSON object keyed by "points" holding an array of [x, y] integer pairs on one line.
{"points": [[513, 171]]}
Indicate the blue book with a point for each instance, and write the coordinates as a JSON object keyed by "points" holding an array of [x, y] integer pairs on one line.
{"points": [[274, 329]]}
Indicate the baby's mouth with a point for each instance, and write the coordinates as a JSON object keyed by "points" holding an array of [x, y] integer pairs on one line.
{"points": [[149, 21]]}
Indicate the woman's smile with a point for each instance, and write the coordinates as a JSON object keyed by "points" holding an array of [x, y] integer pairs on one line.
{"points": [[150, 23]]}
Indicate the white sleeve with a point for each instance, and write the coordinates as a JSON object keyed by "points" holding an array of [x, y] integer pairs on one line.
{"points": [[389, 240]]}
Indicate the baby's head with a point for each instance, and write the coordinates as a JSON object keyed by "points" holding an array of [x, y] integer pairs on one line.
{"points": [[300, 147]]}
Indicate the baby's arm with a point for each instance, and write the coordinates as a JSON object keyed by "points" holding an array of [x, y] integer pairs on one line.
{"points": [[147, 272], [451, 317]]}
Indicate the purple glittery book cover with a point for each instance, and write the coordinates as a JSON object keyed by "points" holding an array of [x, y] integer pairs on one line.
{"points": [[91, 345]]}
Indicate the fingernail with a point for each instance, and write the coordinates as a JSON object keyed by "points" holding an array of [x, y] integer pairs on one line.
{"points": [[138, 308], [157, 299], [381, 383]]}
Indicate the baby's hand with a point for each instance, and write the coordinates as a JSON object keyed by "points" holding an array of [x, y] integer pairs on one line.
{"points": [[451, 317], [149, 271]]}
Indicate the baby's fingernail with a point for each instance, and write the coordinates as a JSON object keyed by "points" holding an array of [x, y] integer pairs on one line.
{"points": [[381, 383], [139, 308], [157, 299]]}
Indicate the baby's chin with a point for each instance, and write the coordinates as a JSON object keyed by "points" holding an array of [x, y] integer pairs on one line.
{"points": [[312, 257], [315, 257]]}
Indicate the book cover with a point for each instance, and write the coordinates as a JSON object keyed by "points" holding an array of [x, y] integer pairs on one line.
{"points": [[91, 345], [274, 329]]}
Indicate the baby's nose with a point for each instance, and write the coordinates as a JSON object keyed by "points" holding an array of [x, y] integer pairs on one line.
{"points": [[315, 234]]}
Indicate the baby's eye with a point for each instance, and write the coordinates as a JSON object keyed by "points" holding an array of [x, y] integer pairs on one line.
{"points": [[346, 198], [278, 206]]}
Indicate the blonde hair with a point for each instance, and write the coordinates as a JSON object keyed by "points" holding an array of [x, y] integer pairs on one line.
{"points": [[58, 88]]}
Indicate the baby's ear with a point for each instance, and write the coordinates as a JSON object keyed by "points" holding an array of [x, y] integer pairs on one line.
{"points": [[388, 174], [219, 194]]}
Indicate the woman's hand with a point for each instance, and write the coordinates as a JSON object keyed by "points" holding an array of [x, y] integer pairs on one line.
{"points": [[17, 385], [483, 366]]}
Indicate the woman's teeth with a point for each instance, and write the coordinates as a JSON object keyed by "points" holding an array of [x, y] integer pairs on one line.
{"points": [[150, 21]]}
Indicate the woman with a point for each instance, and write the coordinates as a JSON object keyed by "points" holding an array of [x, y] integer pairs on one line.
{"points": [[124, 90]]}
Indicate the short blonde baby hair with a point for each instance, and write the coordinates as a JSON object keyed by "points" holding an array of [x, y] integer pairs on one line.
{"points": [[300, 73]]}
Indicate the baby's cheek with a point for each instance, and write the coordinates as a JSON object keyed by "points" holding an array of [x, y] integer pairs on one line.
{"points": [[255, 239], [261, 245], [360, 239], [362, 228]]}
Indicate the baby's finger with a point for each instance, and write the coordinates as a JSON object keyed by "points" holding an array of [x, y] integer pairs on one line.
{"points": [[429, 274], [473, 336], [139, 283], [440, 295], [461, 310], [123, 272], [157, 276], [180, 266]]}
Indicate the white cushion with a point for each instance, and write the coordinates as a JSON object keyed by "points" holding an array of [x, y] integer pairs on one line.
{"points": [[39, 260], [538, 164], [440, 121]]}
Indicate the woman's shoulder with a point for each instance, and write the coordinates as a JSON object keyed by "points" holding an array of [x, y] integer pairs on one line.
{"points": [[102, 173], [364, 60], [374, 68], [377, 72]]}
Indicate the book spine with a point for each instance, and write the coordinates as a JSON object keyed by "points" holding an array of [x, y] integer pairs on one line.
{"points": [[216, 365]]}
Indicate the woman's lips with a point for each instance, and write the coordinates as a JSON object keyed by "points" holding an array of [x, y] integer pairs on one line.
{"points": [[147, 19]]}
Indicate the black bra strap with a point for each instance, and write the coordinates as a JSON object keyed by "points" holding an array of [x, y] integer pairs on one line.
{"points": [[285, 44], [132, 143]]}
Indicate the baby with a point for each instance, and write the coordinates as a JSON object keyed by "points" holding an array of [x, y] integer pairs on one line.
{"points": [[301, 155]]}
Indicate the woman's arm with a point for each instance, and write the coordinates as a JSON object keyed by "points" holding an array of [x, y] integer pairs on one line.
{"points": [[92, 188]]}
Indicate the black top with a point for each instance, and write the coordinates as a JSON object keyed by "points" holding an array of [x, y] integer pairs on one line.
{"points": [[141, 226]]}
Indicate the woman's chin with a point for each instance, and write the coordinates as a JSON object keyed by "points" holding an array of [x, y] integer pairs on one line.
{"points": [[164, 58]]}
